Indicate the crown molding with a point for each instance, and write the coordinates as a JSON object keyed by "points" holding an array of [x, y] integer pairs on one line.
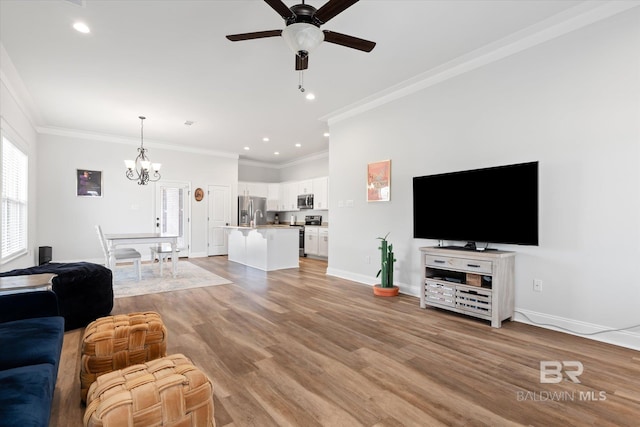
{"points": [[298, 161], [560, 24], [116, 139]]}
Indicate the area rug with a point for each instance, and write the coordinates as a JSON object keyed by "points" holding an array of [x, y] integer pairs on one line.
{"points": [[126, 284]]}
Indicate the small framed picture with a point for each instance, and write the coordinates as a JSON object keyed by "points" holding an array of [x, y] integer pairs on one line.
{"points": [[88, 183], [379, 181]]}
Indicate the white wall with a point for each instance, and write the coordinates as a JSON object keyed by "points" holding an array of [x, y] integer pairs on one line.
{"points": [[310, 167], [572, 104], [306, 168], [66, 222], [249, 172], [16, 125]]}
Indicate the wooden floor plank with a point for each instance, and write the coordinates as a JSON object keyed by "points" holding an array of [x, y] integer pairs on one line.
{"points": [[299, 348]]}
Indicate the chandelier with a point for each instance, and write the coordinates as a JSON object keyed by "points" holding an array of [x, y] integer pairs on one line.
{"points": [[139, 169]]}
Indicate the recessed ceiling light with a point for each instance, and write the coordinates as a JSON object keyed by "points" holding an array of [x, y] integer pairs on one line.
{"points": [[298, 145], [81, 27], [277, 153], [310, 96], [326, 134], [265, 139], [247, 148]]}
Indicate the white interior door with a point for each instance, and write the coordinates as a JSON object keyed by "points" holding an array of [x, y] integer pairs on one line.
{"points": [[172, 212], [219, 216]]}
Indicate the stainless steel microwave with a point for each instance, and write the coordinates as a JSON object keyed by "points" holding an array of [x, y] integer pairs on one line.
{"points": [[305, 201]]}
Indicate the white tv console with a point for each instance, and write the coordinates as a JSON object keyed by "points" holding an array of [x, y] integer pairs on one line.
{"points": [[448, 274]]}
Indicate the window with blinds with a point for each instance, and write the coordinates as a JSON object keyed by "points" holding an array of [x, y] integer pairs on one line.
{"points": [[14, 201]]}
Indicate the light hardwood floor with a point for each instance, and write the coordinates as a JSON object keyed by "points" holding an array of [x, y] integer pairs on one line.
{"points": [[299, 348]]}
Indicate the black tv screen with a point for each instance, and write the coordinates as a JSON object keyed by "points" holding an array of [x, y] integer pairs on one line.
{"points": [[490, 205]]}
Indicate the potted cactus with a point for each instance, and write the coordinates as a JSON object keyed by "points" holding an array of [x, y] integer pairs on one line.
{"points": [[386, 287]]}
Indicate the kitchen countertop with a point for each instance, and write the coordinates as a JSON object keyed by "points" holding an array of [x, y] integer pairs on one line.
{"points": [[262, 226], [324, 225]]}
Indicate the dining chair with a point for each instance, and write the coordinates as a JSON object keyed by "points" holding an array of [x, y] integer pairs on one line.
{"points": [[120, 254], [162, 252]]}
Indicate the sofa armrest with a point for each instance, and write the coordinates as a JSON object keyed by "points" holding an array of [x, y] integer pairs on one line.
{"points": [[27, 305]]}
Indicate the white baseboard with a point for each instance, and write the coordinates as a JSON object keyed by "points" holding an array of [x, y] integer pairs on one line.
{"points": [[198, 255], [628, 338], [367, 280]]}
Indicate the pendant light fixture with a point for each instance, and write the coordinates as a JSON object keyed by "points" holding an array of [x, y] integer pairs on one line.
{"points": [[139, 169]]}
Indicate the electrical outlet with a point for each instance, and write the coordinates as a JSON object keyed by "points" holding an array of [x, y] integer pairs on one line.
{"points": [[537, 285]]}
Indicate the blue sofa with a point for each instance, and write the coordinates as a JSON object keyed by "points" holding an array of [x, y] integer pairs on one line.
{"points": [[31, 335]]}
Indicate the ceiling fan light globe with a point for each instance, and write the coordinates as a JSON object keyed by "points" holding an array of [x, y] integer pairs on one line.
{"points": [[302, 37]]}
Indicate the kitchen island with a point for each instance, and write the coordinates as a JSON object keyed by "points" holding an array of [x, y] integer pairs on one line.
{"points": [[266, 247]]}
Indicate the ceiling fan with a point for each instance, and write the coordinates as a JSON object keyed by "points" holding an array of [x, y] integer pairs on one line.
{"points": [[302, 31]]}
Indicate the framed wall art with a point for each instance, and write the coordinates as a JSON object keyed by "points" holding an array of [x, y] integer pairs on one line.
{"points": [[88, 183], [379, 181]]}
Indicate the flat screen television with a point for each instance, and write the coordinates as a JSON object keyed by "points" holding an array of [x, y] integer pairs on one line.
{"points": [[490, 205]]}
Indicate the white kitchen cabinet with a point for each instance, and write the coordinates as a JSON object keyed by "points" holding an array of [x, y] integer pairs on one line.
{"points": [[311, 236], [273, 197], [316, 241], [243, 188], [258, 189], [305, 187], [290, 196], [283, 196], [323, 242], [321, 193], [282, 200]]}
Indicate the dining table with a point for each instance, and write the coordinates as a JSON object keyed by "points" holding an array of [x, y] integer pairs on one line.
{"points": [[115, 240]]}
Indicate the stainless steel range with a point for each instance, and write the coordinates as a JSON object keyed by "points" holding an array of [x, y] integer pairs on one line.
{"points": [[313, 220]]}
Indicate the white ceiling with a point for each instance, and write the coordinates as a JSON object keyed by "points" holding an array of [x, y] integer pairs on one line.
{"points": [[170, 61]]}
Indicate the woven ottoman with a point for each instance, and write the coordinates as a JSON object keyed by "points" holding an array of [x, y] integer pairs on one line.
{"points": [[115, 342], [165, 392]]}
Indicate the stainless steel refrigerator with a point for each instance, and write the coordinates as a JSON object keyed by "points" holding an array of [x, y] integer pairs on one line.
{"points": [[250, 208]]}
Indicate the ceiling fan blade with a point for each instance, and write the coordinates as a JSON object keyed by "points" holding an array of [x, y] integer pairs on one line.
{"points": [[348, 41], [332, 8], [256, 35], [281, 8], [302, 63]]}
